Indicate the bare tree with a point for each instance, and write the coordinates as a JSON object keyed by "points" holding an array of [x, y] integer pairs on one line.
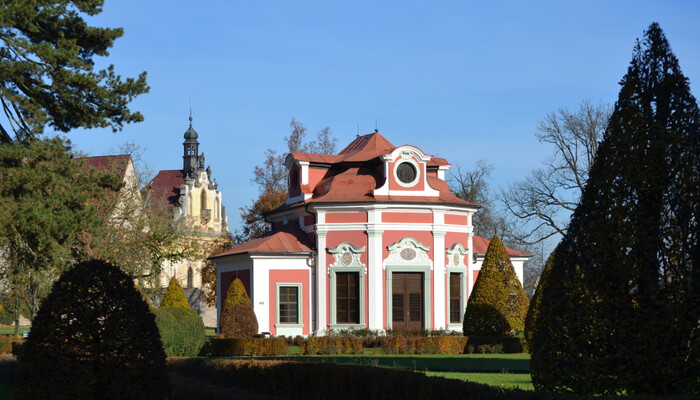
{"points": [[544, 200], [271, 178]]}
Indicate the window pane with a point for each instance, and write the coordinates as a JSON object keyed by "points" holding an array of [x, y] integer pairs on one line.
{"points": [[347, 298], [289, 306]]}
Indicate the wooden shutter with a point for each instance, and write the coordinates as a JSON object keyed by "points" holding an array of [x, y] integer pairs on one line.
{"points": [[455, 297]]}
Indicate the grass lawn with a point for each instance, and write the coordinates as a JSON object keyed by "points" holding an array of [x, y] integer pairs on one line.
{"points": [[10, 330], [504, 380], [490, 363]]}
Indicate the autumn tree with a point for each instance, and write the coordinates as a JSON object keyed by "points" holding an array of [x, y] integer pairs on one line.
{"points": [[47, 70], [543, 202], [497, 304], [271, 178], [209, 268], [621, 307]]}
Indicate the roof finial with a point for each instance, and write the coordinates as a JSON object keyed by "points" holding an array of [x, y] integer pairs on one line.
{"points": [[358, 131], [190, 111], [376, 127]]}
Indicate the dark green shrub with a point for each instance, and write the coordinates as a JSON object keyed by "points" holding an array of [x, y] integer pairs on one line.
{"points": [[174, 295], [7, 343], [495, 344], [533, 312], [498, 304], [237, 316], [93, 338], [181, 331]]}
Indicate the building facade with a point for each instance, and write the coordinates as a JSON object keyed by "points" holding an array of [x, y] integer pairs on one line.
{"points": [[370, 237]]}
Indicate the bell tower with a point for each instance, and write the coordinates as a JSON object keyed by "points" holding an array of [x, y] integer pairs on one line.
{"points": [[191, 147]]}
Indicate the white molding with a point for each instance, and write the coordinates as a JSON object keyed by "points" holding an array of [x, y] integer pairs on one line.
{"points": [[420, 173], [342, 264], [320, 289]]}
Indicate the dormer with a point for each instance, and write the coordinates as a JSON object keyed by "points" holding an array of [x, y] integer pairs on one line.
{"points": [[298, 188], [406, 169]]}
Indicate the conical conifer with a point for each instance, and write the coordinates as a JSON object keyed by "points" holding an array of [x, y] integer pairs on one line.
{"points": [[237, 316], [622, 303], [497, 304], [174, 295]]}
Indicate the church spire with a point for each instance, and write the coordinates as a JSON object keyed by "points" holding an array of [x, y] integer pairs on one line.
{"points": [[191, 148]]}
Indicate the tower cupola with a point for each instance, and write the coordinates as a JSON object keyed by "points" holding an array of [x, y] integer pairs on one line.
{"points": [[191, 147]]}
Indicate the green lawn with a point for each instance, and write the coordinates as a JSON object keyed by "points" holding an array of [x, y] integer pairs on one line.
{"points": [[504, 380], [490, 363], [10, 330]]}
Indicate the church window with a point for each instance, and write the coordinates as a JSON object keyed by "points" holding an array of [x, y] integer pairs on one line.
{"points": [[190, 278], [455, 298], [203, 200]]}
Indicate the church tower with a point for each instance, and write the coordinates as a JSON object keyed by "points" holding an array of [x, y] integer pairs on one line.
{"points": [[191, 147]]}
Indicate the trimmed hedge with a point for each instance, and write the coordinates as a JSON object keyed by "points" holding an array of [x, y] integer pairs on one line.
{"points": [[332, 345], [221, 347], [181, 331], [238, 318], [174, 295], [496, 344], [424, 345]]}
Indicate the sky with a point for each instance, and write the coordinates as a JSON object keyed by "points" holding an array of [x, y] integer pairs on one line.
{"points": [[463, 80]]}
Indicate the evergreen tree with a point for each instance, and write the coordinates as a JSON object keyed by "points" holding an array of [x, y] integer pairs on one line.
{"points": [[238, 317], [533, 312], [47, 216], [93, 338], [621, 308], [47, 74], [174, 295], [497, 304]]}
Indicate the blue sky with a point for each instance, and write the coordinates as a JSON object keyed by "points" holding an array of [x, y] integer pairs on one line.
{"points": [[464, 80]]}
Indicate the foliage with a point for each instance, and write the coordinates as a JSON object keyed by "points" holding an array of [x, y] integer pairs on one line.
{"points": [[237, 316], [533, 312], [93, 338], [497, 304], [545, 199], [271, 178], [621, 307], [48, 215], [495, 345], [174, 295], [256, 347], [209, 268], [181, 331], [47, 59]]}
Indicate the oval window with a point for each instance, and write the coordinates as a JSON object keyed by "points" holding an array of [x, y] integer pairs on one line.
{"points": [[406, 173]]}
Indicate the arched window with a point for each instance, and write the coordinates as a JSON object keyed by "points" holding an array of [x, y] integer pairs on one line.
{"points": [[217, 209], [190, 278], [203, 200]]}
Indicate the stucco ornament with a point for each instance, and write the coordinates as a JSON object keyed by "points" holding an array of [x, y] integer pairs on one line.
{"points": [[408, 251], [347, 255]]}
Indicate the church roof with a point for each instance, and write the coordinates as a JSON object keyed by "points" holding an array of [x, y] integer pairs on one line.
{"points": [[287, 239], [482, 244], [166, 187], [116, 164]]}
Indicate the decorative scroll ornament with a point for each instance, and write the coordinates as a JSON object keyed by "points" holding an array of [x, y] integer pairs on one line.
{"points": [[346, 255], [456, 254], [408, 251], [406, 155]]}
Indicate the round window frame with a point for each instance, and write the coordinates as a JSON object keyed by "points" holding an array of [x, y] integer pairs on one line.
{"points": [[415, 166]]}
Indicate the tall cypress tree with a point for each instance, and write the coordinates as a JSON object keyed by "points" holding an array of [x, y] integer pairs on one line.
{"points": [[621, 310]]}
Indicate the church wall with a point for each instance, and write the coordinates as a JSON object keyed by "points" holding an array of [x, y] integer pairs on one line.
{"points": [[455, 219]]}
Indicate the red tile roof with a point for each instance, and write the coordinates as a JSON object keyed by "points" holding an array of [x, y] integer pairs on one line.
{"points": [[116, 164], [482, 244], [287, 239], [165, 187]]}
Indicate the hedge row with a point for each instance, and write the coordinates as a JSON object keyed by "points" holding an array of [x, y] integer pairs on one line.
{"points": [[221, 347], [7, 342]]}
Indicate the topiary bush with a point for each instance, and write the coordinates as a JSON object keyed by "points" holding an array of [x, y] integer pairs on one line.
{"points": [[174, 295], [181, 331], [93, 338], [533, 312], [237, 316], [498, 304]]}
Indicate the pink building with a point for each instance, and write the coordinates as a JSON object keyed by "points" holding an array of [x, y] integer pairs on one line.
{"points": [[370, 237]]}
